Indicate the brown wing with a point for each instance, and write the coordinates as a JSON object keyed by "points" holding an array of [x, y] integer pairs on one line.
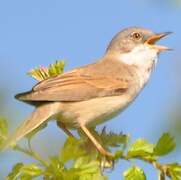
{"points": [[75, 86]]}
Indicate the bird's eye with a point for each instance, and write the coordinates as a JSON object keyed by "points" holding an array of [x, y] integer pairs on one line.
{"points": [[136, 36]]}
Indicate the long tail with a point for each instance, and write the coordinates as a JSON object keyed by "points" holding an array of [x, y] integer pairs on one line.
{"points": [[38, 116]]}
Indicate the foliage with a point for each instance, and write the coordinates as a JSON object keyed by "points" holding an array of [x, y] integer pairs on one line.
{"points": [[3, 129], [165, 141], [43, 73], [79, 160], [134, 173]]}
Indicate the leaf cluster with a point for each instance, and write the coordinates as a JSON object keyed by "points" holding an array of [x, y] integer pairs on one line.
{"points": [[150, 153], [43, 73], [79, 160], [72, 163]]}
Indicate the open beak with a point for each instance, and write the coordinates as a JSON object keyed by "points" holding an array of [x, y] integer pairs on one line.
{"points": [[151, 42]]}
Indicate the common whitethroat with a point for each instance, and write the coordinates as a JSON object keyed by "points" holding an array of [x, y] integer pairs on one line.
{"points": [[90, 95]]}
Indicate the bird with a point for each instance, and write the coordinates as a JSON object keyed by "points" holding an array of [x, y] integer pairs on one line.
{"points": [[87, 96]]}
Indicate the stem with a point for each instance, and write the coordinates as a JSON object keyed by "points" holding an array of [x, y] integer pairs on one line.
{"points": [[150, 161], [32, 154]]}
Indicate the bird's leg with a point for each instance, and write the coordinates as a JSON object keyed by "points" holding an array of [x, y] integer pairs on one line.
{"points": [[63, 127], [105, 154], [95, 142]]}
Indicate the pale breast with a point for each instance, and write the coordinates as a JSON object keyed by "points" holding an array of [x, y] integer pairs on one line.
{"points": [[94, 111]]}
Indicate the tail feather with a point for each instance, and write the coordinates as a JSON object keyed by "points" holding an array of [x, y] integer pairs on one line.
{"points": [[38, 116]]}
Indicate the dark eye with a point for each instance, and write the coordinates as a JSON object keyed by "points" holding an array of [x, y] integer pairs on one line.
{"points": [[136, 36]]}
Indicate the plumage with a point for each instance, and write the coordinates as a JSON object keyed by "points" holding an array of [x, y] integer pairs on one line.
{"points": [[83, 83], [40, 115], [92, 94]]}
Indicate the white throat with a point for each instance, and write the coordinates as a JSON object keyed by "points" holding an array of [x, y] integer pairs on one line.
{"points": [[145, 58], [141, 56]]}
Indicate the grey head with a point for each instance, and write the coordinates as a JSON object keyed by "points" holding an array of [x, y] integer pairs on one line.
{"points": [[127, 39]]}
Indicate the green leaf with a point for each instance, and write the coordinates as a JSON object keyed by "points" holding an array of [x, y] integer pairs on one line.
{"points": [[78, 162], [25, 177], [71, 150], [90, 167], [98, 176], [55, 163], [174, 171], [134, 173], [112, 139], [24, 172], [56, 68], [165, 145], [140, 148], [31, 170], [39, 74], [56, 168], [36, 130], [43, 73], [3, 129], [118, 154], [87, 169], [15, 172]]}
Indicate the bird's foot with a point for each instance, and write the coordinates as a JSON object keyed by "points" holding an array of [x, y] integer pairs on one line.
{"points": [[107, 160]]}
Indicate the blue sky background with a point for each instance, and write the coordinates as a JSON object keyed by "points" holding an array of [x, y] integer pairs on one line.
{"points": [[38, 32]]}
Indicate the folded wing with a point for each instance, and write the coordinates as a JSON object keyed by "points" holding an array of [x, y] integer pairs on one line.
{"points": [[75, 86]]}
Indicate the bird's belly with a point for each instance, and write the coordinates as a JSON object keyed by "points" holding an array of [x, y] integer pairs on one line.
{"points": [[94, 111]]}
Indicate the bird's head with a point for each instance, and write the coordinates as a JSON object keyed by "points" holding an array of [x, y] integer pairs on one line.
{"points": [[135, 45]]}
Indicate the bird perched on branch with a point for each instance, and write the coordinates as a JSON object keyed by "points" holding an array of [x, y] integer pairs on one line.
{"points": [[90, 95]]}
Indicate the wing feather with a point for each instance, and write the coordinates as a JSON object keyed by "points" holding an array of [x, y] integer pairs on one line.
{"points": [[107, 77], [73, 86]]}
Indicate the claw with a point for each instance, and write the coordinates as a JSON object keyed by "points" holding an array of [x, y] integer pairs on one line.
{"points": [[106, 162]]}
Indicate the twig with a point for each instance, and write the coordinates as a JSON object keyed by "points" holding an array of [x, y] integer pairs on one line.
{"points": [[33, 154]]}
